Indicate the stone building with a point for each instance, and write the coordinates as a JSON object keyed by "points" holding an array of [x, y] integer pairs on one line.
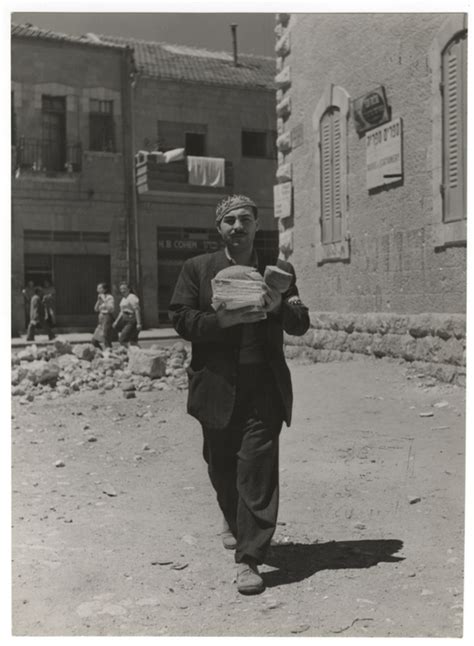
{"points": [[212, 105], [371, 179], [82, 108], [72, 169]]}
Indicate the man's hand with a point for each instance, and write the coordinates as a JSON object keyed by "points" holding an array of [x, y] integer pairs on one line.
{"points": [[272, 299], [228, 318]]}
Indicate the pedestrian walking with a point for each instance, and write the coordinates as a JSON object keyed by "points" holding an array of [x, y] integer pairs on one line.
{"points": [[28, 293], [105, 306], [129, 320], [49, 308], [239, 385], [37, 318]]}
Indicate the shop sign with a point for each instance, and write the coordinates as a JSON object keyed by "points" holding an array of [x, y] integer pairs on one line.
{"points": [[177, 244], [384, 154], [282, 200], [371, 110]]}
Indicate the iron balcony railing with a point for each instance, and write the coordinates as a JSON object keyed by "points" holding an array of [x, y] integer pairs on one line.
{"points": [[40, 155]]}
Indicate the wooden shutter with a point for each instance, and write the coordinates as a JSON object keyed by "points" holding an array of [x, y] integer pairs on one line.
{"points": [[454, 130], [337, 171], [326, 177], [331, 176]]}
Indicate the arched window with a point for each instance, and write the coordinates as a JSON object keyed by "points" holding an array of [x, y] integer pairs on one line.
{"points": [[330, 124], [448, 63], [453, 89], [331, 175]]}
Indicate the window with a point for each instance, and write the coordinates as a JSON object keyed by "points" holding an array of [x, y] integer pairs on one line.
{"points": [[195, 143], [101, 126], [331, 172], [330, 122], [260, 144], [175, 134], [52, 153], [453, 88], [447, 61]]}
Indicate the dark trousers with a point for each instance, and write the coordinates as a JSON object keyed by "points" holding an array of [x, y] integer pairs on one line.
{"points": [[243, 462], [129, 333], [33, 327]]}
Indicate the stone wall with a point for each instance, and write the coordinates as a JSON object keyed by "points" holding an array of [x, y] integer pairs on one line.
{"points": [[435, 344], [391, 258]]}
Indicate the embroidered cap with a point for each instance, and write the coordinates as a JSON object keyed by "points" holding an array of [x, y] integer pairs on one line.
{"points": [[232, 202]]}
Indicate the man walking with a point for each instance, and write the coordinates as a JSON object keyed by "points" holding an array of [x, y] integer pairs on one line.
{"points": [[37, 318], [239, 385]]}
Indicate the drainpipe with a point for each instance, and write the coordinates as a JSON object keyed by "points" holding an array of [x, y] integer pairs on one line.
{"points": [[133, 231], [127, 153], [136, 232]]}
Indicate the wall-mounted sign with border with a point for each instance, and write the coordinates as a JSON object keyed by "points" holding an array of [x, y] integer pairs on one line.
{"points": [[297, 136], [282, 200], [371, 110], [384, 154]]}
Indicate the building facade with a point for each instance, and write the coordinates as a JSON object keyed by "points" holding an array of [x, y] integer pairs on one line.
{"points": [[210, 105], [361, 243], [372, 148], [72, 169], [85, 112]]}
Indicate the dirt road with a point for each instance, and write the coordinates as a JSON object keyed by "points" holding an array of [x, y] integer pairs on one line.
{"points": [[123, 538]]}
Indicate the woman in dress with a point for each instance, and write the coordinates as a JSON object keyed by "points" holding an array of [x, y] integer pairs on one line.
{"points": [[129, 320], [105, 307]]}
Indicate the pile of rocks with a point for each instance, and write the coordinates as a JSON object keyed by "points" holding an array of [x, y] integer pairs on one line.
{"points": [[61, 369]]}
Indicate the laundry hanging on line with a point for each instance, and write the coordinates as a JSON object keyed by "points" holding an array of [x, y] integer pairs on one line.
{"points": [[206, 171]]}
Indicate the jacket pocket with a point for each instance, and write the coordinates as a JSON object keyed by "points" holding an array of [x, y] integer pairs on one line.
{"points": [[210, 397]]}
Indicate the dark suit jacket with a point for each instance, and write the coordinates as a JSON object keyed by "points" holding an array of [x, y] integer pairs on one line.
{"points": [[215, 351]]}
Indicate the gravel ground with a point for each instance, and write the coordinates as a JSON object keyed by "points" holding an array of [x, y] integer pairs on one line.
{"points": [[115, 526]]}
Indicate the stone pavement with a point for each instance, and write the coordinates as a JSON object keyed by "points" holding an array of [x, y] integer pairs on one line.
{"points": [[115, 524]]}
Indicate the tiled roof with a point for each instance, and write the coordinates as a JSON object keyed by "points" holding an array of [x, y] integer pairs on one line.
{"points": [[31, 31], [175, 62], [183, 63]]}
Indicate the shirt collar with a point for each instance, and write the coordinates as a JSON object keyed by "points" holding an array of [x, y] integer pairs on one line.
{"points": [[253, 258]]}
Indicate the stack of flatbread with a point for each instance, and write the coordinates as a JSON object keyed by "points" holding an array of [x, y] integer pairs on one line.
{"points": [[240, 286]]}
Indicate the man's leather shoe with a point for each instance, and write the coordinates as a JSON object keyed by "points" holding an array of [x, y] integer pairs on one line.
{"points": [[228, 540], [249, 580]]}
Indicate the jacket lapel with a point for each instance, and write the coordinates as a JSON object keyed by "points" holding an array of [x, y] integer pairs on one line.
{"points": [[220, 261]]}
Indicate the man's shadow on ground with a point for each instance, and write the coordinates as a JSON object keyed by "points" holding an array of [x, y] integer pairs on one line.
{"points": [[298, 561]]}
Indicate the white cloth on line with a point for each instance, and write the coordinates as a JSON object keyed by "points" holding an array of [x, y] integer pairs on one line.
{"points": [[174, 155], [206, 171]]}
